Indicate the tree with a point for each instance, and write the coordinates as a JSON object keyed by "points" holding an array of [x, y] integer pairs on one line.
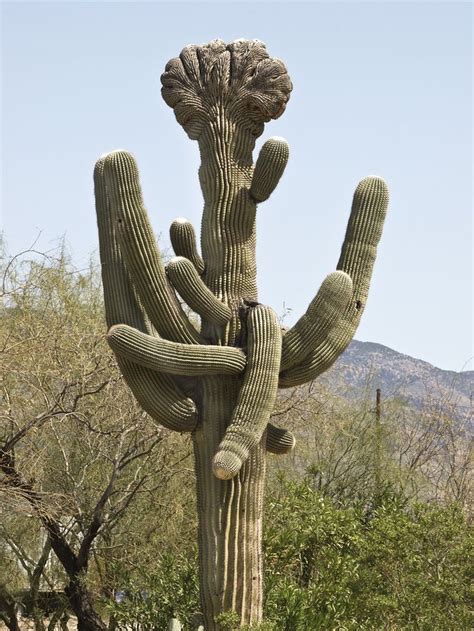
{"points": [[75, 449], [220, 382]]}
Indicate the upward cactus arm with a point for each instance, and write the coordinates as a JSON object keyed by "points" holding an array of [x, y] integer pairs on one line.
{"points": [[257, 394], [187, 282], [364, 230], [369, 208], [172, 357], [141, 254], [119, 296], [155, 392], [269, 168], [323, 313], [183, 240]]}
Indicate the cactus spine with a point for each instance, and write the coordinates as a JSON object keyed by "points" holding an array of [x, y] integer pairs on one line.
{"points": [[220, 382]]}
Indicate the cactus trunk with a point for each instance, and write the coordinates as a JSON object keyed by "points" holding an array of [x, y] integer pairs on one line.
{"points": [[229, 513]]}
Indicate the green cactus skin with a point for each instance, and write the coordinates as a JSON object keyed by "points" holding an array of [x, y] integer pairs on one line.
{"points": [[174, 358], [269, 168], [257, 394], [183, 240], [187, 282], [220, 382], [140, 251], [323, 314], [279, 441]]}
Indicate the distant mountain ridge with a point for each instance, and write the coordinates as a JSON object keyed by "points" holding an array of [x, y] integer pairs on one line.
{"points": [[369, 365]]}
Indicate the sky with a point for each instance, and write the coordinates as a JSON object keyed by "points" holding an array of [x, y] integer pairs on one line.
{"points": [[380, 88]]}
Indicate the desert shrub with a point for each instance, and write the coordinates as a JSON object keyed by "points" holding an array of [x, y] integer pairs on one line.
{"points": [[169, 589], [389, 566]]}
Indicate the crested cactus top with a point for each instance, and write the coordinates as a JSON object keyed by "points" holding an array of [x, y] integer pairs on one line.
{"points": [[240, 78]]}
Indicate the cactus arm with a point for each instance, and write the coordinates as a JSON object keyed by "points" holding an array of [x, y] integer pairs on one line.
{"points": [[269, 168], [156, 393], [369, 208], [187, 282], [323, 313], [279, 441], [141, 255], [183, 240], [119, 296], [257, 394], [364, 230], [160, 397], [173, 357]]}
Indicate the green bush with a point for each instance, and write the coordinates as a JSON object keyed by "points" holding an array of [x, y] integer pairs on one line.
{"points": [[330, 566], [384, 567], [170, 589]]}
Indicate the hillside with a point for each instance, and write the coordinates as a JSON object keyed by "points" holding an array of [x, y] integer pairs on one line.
{"points": [[369, 365]]}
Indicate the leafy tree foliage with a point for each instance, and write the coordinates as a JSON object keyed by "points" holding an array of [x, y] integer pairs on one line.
{"points": [[75, 451]]}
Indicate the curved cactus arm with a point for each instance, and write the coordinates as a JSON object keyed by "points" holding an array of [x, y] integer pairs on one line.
{"points": [[156, 393], [323, 313], [174, 358], [269, 168], [257, 394], [140, 251], [159, 396], [183, 240], [369, 208], [187, 282], [279, 441]]}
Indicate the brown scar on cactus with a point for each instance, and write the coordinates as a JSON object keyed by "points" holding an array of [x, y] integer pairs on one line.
{"points": [[220, 382]]}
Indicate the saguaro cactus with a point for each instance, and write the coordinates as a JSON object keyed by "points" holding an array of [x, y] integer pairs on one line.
{"points": [[219, 381]]}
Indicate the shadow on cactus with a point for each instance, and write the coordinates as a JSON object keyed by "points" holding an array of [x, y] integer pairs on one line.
{"points": [[220, 382]]}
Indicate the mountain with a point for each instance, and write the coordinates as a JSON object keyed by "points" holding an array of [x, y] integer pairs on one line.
{"points": [[365, 366]]}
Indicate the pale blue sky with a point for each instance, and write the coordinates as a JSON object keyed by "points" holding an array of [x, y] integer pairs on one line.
{"points": [[379, 88]]}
